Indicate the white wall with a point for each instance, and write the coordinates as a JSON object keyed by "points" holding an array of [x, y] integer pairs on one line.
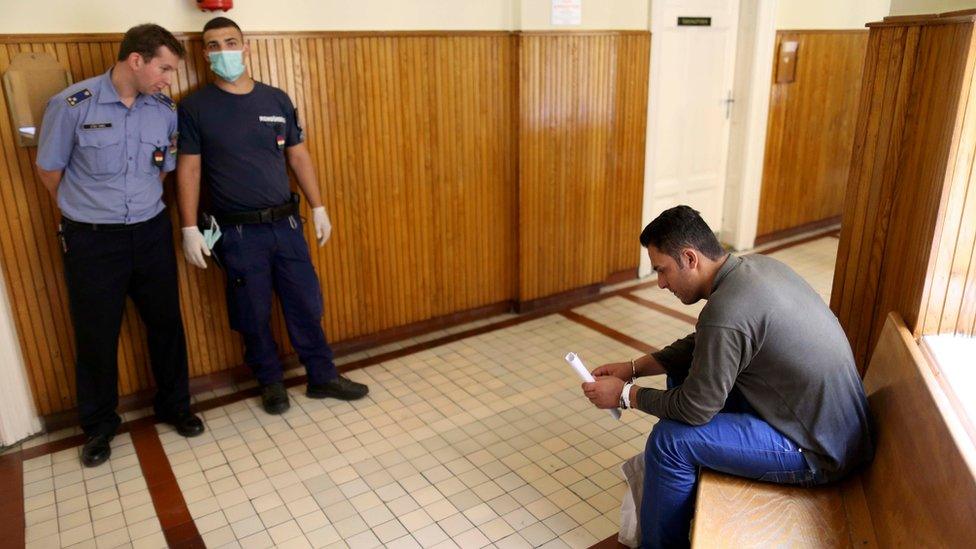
{"points": [[910, 7], [596, 15], [830, 14], [75, 16]]}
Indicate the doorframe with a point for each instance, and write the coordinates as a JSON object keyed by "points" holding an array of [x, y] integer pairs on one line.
{"points": [[18, 417], [750, 115], [755, 42]]}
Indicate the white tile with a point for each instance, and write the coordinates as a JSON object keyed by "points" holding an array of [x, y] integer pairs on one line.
{"points": [[496, 529], [363, 540], [480, 514], [473, 539], [350, 526], [415, 520], [284, 532]]}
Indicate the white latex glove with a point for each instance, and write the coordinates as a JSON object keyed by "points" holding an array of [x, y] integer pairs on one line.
{"points": [[323, 227], [194, 248]]}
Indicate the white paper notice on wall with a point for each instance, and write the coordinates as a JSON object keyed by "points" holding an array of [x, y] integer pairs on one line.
{"points": [[567, 12]]}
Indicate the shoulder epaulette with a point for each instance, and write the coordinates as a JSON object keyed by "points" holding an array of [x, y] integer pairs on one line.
{"points": [[79, 97], [165, 100]]}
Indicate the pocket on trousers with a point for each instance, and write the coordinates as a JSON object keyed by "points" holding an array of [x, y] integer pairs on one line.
{"points": [[239, 310]]}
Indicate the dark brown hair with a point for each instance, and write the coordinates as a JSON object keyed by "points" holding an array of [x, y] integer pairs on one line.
{"points": [[679, 228], [146, 39]]}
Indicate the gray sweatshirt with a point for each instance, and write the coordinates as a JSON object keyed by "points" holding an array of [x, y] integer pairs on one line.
{"points": [[766, 332]]}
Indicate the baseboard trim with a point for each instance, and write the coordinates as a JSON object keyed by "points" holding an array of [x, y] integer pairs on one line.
{"points": [[793, 231]]}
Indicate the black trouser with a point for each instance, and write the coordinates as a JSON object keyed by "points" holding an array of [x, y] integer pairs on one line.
{"points": [[102, 267]]}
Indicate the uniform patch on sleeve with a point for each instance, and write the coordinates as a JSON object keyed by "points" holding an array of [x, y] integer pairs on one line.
{"points": [[173, 140], [79, 97], [165, 100]]}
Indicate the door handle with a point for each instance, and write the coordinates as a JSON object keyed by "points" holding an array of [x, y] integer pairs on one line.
{"points": [[728, 104]]}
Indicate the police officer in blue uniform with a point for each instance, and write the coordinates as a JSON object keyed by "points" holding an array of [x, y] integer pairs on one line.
{"points": [[241, 136], [105, 145]]}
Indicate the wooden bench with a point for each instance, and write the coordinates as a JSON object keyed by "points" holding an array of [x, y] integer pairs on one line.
{"points": [[920, 490]]}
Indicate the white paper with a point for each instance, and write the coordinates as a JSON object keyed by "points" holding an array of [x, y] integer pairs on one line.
{"points": [[28, 131], [584, 374], [567, 12]]}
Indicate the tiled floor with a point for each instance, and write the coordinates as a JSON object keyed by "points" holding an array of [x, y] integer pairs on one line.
{"points": [[481, 442], [67, 505]]}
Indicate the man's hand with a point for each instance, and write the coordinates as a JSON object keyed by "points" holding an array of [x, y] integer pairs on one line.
{"points": [[194, 248], [605, 391], [619, 370], [323, 227]]}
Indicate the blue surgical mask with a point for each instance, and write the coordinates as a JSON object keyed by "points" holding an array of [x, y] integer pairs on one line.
{"points": [[227, 64]]}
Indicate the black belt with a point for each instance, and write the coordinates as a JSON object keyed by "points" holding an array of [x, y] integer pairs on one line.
{"points": [[107, 227], [267, 215]]}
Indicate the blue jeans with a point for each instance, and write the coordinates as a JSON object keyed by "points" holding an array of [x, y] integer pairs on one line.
{"points": [[264, 258], [736, 441]]}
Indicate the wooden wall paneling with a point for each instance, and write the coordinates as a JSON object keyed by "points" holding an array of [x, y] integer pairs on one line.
{"points": [[571, 109], [925, 174], [851, 234], [886, 128], [415, 137], [627, 165], [811, 130], [872, 181], [27, 284], [943, 298], [908, 231]]}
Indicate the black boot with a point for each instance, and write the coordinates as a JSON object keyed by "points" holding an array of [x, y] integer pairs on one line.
{"points": [[97, 450], [341, 387], [274, 398]]}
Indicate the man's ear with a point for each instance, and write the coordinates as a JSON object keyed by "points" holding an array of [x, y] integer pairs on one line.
{"points": [[690, 258], [135, 60]]}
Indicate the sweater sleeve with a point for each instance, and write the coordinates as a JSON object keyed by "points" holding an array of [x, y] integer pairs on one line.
{"points": [[720, 354], [676, 357]]}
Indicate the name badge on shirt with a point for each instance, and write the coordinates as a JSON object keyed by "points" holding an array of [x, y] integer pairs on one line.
{"points": [[96, 126]]}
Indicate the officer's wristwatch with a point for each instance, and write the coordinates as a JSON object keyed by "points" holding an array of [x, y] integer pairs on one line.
{"points": [[625, 396]]}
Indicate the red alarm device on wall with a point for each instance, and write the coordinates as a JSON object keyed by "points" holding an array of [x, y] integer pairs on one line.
{"points": [[214, 5]]}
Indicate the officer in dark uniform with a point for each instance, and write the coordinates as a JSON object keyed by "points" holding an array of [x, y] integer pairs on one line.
{"points": [[239, 134], [105, 145]]}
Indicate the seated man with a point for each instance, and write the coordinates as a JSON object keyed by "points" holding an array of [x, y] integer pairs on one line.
{"points": [[765, 388]]}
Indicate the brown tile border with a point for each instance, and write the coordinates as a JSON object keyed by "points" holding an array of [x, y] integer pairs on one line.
{"points": [[794, 231], [175, 519], [609, 543], [558, 300], [174, 516], [569, 302], [609, 332], [12, 521], [797, 242], [661, 308], [237, 374]]}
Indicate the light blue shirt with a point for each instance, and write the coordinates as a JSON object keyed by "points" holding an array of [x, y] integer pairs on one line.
{"points": [[107, 151]]}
